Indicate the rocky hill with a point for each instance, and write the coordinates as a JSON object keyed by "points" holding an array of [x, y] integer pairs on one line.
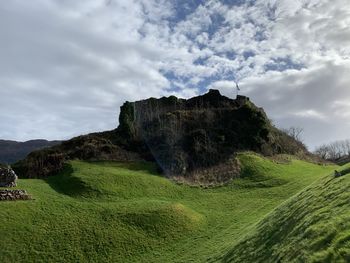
{"points": [[194, 139], [186, 135], [12, 151]]}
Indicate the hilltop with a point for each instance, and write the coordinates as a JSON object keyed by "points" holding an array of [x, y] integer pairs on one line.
{"points": [[195, 139]]}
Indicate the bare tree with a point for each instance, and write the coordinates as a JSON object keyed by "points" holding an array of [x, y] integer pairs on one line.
{"points": [[295, 132], [347, 147], [334, 150], [322, 151]]}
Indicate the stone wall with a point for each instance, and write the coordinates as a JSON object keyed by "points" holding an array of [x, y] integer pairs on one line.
{"points": [[12, 195], [8, 178]]}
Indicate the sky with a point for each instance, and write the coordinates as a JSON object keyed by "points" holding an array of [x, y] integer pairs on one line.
{"points": [[67, 66]]}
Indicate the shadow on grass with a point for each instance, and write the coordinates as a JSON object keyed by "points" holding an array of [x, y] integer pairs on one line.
{"points": [[142, 166], [65, 183]]}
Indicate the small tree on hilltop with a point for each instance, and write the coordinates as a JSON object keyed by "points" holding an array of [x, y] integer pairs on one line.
{"points": [[295, 133]]}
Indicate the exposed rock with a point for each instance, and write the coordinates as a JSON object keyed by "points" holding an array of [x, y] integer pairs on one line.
{"points": [[195, 139], [221, 173], [185, 136], [12, 195], [8, 177]]}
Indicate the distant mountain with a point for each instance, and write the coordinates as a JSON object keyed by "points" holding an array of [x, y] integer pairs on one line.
{"points": [[12, 151]]}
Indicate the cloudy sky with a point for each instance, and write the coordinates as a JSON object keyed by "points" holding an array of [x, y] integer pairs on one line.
{"points": [[66, 66]]}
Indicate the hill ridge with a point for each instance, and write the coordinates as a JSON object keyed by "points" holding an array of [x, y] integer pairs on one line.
{"points": [[311, 226], [13, 151]]}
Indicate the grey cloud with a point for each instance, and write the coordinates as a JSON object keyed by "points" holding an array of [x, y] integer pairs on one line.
{"points": [[313, 98], [60, 76], [306, 98], [67, 66]]}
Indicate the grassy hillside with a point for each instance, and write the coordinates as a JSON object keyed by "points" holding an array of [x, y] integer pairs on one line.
{"points": [[313, 226], [118, 212]]}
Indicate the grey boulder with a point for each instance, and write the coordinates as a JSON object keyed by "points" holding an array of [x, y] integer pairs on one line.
{"points": [[8, 177]]}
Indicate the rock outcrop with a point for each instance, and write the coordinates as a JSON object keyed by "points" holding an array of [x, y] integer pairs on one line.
{"points": [[195, 139], [186, 136], [8, 177]]}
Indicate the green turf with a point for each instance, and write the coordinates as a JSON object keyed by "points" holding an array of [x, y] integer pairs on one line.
{"points": [[113, 212], [313, 226]]}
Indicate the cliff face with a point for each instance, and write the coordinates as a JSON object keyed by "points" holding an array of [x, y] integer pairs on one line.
{"points": [[194, 139], [186, 135]]}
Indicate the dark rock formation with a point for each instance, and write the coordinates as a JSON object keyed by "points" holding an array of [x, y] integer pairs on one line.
{"points": [[187, 135], [12, 195], [8, 177], [195, 139]]}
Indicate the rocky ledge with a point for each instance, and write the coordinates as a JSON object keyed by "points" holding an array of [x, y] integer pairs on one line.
{"points": [[12, 195]]}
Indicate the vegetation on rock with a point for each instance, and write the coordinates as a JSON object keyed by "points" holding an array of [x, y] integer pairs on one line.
{"points": [[96, 146], [183, 137], [187, 136]]}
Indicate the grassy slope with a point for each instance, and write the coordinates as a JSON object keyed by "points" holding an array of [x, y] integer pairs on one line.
{"points": [[313, 226], [99, 212]]}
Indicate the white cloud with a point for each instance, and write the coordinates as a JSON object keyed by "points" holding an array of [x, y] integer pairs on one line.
{"points": [[313, 114], [67, 66]]}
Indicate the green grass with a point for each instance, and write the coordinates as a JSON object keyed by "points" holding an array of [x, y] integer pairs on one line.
{"points": [[313, 226], [115, 212]]}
